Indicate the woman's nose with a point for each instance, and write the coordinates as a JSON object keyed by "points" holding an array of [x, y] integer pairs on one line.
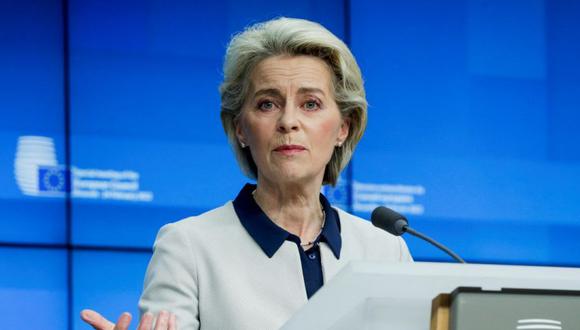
{"points": [[288, 120]]}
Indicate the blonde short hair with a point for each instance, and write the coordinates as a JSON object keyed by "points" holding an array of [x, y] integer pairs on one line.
{"points": [[289, 36]]}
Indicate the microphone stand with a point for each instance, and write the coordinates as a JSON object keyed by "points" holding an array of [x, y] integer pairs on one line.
{"points": [[413, 232]]}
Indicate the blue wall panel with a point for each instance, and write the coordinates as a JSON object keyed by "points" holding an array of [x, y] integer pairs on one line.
{"points": [[31, 120], [33, 288], [472, 124], [109, 282]]}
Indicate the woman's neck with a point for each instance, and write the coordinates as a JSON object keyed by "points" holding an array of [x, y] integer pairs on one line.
{"points": [[294, 207]]}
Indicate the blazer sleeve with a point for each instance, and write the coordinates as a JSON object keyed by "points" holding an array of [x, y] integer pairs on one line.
{"points": [[171, 278], [405, 254]]}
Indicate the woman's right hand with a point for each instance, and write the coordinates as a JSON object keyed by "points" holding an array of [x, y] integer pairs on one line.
{"points": [[165, 321]]}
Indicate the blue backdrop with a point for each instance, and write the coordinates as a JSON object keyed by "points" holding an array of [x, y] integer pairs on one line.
{"points": [[472, 133]]}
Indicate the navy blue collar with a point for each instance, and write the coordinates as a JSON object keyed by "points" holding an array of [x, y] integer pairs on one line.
{"points": [[270, 236]]}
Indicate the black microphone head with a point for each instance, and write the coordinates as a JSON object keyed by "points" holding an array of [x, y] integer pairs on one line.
{"points": [[389, 220]]}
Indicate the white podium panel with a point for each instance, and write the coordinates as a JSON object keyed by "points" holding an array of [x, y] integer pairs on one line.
{"points": [[368, 296]]}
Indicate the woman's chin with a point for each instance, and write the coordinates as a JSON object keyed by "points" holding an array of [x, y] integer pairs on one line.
{"points": [[292, 177]]}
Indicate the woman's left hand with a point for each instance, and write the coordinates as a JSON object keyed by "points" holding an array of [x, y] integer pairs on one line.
{"points": [[165, 321]]}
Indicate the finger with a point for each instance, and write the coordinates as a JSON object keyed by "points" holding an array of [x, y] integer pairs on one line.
{"points": [[123, 322], [96, 320], [162, 321], [146, 322], [172, 322]]}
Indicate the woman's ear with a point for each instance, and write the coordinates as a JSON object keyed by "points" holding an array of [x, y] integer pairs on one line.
{"points": [[344, 130], [240, 132]]}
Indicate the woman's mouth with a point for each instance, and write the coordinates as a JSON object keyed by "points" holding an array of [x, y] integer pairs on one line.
{"points": [[289, 149]]}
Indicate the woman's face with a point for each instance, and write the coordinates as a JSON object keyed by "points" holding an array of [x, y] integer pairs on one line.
{"points": [[290, 120]]}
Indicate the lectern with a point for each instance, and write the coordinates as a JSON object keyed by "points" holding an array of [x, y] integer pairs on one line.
{"points": [[520, 309], [367, 296]]}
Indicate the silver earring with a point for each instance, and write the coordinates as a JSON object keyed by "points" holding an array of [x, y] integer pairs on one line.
{"points": [[242, 144], [339, 144]]}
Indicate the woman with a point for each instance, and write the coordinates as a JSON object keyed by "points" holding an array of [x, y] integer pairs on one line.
{"points": [[294, 108]]}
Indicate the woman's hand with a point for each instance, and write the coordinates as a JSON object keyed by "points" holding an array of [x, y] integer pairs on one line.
{"points": [[165, 321]]}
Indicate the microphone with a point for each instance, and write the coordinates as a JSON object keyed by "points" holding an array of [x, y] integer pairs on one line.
{"points": [[397, 224]]}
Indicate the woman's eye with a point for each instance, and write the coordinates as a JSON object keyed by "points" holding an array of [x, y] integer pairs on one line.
{"points": [[311, 105], [266, 105]]}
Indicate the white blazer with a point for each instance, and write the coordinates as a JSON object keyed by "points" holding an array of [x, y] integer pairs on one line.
{"points": [[212, 274]]}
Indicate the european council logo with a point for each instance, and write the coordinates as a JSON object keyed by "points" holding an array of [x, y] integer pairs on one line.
{"points": [[36, 168], [38, 173]]}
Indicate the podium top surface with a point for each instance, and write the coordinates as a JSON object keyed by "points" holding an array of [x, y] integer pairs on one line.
{"points": [[402, 293]]}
